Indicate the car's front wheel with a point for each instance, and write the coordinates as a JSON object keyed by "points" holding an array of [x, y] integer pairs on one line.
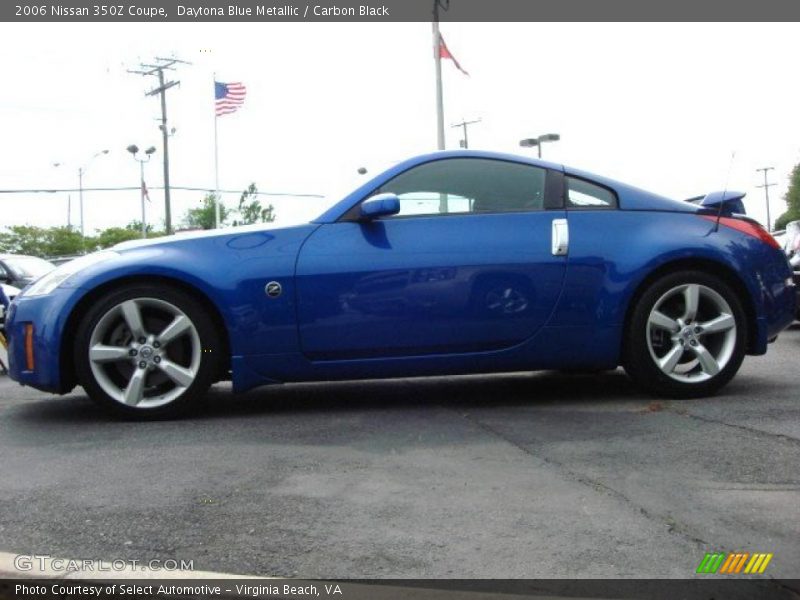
{"points": [[146, 352], [687, 335]]}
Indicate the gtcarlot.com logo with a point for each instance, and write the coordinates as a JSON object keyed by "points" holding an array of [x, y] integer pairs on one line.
{"points": [[45, 562], [734, 563]]}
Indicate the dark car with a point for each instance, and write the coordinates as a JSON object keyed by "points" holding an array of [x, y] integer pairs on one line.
{"points": [[19, 270]]}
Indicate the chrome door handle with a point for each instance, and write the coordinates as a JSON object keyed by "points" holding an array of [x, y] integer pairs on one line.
{"points": [[560, 237]]}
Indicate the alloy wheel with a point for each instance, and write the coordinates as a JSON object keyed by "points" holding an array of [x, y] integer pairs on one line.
{"points": [[691, 333], [144, 352]]}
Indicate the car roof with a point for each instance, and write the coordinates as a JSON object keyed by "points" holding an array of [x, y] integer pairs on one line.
{"points": [[630, 197]]}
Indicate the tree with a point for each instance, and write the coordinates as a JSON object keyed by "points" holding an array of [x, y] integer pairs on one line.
{"points": [[65, 241], [38, 241], [250, 208], [24, 239], [203, 217], [792, 198], [115, 235], [137, 226]]}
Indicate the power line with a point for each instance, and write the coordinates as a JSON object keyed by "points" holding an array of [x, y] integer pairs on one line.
{"points": [[174, 187]]}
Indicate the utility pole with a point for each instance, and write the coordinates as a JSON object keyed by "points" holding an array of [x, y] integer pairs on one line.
{"points": [[464, 124], [157, 70], [766, 187]]}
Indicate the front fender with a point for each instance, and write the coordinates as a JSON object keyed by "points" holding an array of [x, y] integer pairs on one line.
{"points": [[230, 271]]}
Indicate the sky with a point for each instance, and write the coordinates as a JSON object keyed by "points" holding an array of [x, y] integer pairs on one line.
{"points": [[678, 109]]}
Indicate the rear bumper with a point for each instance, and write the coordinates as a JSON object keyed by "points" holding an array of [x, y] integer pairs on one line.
{"points": [[770, 277]]}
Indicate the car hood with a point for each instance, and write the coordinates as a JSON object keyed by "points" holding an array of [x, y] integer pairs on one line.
{"points": [[188, 236], [9, 290]]}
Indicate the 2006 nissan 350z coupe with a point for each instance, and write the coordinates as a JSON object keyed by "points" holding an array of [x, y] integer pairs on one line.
{"points": [[448, 263]]}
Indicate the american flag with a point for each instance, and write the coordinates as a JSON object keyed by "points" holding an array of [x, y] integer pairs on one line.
{"points": [[229, 97], [145, 193]]}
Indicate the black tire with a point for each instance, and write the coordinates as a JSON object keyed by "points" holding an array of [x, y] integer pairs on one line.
{"points": [[640, 344], [148, 299]]}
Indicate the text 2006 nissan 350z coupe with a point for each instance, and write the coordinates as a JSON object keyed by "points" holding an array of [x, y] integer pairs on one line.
{"points": [[448, 263]]}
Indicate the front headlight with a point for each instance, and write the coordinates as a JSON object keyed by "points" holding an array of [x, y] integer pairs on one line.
{"points": [[47, 283]]}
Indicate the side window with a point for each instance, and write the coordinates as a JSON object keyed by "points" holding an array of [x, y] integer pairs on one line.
{"points": [[582, 194], [468, 185]]}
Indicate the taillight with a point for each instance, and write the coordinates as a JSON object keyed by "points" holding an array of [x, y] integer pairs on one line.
{"points": [[748, 227]]}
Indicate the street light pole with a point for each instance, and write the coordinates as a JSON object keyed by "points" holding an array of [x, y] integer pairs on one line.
{"points": [[766, 187], [134, 149], [81, 172], [538, 141], [141, 195], [80, 197], [69, 203]]}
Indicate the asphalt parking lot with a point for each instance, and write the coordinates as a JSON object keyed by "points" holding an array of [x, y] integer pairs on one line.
{"points": [[522, 475]]}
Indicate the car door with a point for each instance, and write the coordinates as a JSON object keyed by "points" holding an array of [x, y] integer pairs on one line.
{"points": [[468, 264]]}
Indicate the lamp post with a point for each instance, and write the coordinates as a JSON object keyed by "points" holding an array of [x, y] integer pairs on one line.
{"points": [[134, 149], [69, 202], [538, 141], [81, 172]]}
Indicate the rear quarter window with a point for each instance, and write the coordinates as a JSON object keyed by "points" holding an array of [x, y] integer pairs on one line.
{"points": [[585, 194]]}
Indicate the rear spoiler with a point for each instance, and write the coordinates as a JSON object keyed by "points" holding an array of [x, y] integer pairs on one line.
{"points": [[731, 202]]}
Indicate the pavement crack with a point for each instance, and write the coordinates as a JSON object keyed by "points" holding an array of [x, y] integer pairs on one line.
{"points": [[781, 436], [671, 524]]}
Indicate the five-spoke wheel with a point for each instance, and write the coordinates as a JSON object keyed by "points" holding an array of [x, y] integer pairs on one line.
{"points": [[144, 351], [691, 333], [686, 336]]}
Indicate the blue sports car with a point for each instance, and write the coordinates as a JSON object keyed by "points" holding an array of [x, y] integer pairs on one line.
{"points": [[448, 263]]}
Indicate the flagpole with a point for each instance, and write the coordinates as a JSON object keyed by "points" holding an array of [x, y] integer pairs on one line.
{"points": [[437, 57], [216, 162], [141, 193]]}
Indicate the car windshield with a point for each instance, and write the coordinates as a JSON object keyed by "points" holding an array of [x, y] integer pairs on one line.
{"points": [[29, 267]]}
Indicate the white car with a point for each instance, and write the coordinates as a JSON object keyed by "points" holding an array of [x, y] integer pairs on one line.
{"points": [[10, 291], [791, 245]]}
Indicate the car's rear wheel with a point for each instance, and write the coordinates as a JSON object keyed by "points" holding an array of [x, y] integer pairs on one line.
{"points": [[146, 352], [687, 335]]}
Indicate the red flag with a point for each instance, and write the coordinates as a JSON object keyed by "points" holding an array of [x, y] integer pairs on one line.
{"points": [[145, 193], [444, 52]]}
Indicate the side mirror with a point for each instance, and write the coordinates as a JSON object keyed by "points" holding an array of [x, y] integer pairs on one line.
{"points": [[380, 205]]}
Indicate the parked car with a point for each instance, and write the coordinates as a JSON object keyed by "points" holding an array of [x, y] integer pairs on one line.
{"points": [[448, 263], [19, 270], [10, 292], [60, 260], [791, 245]]}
